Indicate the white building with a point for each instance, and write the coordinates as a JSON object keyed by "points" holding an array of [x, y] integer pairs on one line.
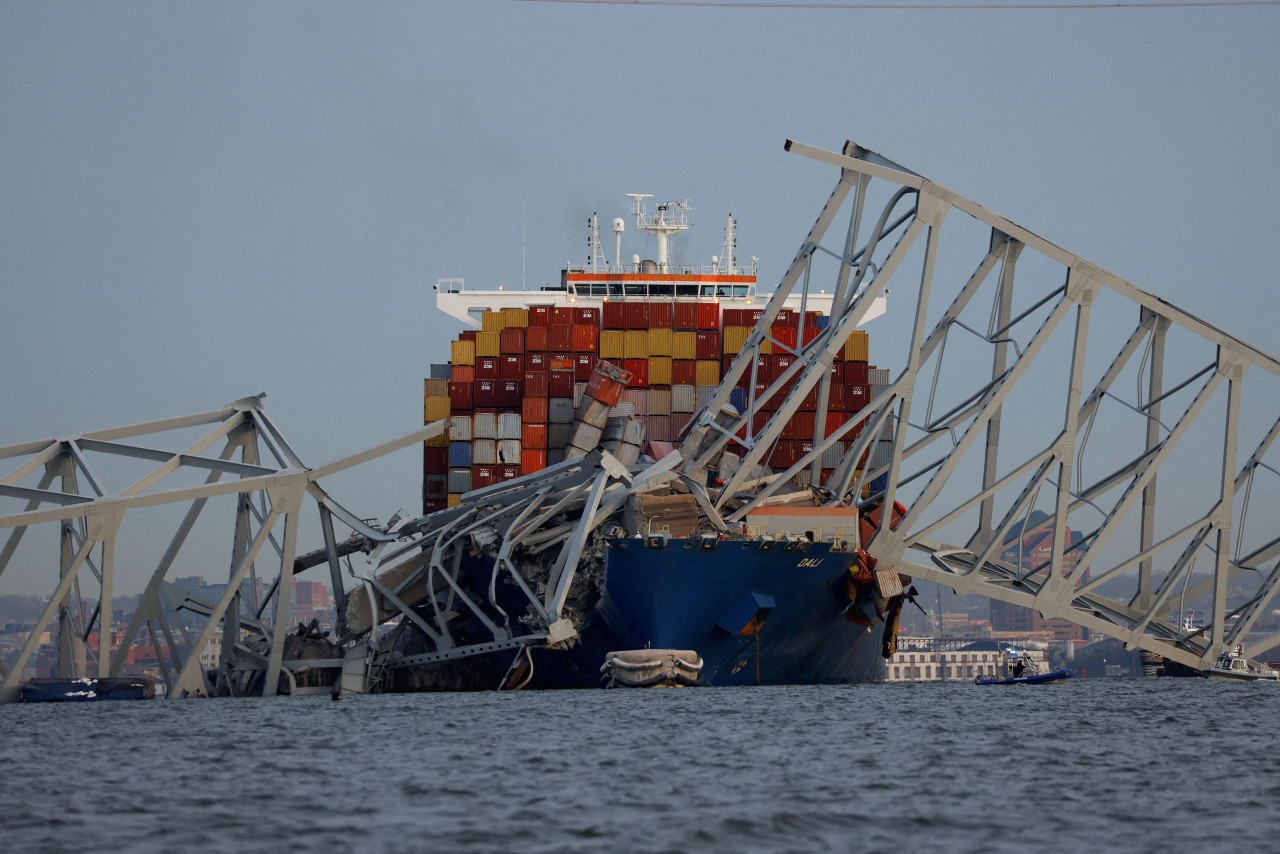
{"points": [[920, 660]]}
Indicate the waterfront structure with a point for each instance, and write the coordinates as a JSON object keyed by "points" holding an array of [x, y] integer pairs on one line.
{"points": [[921, 659]]}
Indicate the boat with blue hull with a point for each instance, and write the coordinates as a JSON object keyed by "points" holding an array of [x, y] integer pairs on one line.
{"points": [[767, 616], [87, 689]]}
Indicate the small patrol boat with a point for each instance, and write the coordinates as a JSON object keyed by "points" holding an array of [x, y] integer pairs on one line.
{"points": [[1232, 664], [1022, 669]]}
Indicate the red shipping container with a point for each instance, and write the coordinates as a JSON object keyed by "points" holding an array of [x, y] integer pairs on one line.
{"points": [[561, 338], [560, 363], [486, 393], [679, 424], [786, 317], [835, 420], [785, 335], [636, 314], [462, 373], [765, 372], [562, 315], [510, 393], [512, 340], [461, 397], [684, 371], [537, 339], [532, 436], [855, 373], [783, 456], [468, 335], [604, 388], [811, 319], [539, 315], [583, 365], [810, 333], [532, 459], [685, 315], [856, 397], [800, 426], [708, 345], [537, 384], [733, 317], [432, 505], [586, 338], [751, 316], [560, 384], [486, 367], [511, 367], [533, 410], [658, 428], [661, 315], [614, 316], [836, 398], [508, 472], [587, 316], [639, 370], [810, 401], [781, 364], [435, 460], [537, 362], [708, 315], [482, 476]]}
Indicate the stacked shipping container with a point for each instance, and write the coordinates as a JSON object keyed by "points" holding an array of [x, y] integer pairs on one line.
{"points": [[537, 385]]}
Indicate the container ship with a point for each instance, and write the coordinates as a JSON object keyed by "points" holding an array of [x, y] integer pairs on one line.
{"points": [[621, 360]]}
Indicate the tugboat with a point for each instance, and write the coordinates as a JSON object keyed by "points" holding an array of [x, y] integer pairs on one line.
{"points": [[1022, 669]]}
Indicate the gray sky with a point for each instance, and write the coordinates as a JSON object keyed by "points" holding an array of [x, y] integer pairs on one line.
{"points": [[200, 202]]}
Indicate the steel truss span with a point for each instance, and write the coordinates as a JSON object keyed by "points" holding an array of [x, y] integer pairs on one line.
{"points": [[1056, 438], [1059, 438]]}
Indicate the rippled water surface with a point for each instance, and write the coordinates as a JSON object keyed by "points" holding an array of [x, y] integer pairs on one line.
{"points": [[1114, 765]]}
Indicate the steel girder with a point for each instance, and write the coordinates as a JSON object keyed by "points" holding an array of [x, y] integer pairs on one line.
{"points": [[89, 509], [989, 463]]}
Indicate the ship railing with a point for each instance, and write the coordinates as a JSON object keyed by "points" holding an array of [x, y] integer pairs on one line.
{"points": [[650, 268], [662, 290]]}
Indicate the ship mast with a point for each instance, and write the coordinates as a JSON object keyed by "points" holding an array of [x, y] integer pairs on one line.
{"points": [[670, 219]]}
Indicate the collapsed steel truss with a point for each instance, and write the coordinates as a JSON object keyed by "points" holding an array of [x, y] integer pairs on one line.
{"points": [[1123, 552], [1122, 558]]}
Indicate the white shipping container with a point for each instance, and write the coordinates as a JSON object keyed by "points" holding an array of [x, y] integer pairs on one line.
{"points": [[628, 454], [593, 412], [613, 430], [459, 480], [587, 436], [831, 456], [509, 425], [878, 376], [683, 399], [881, 454], [634, 433], [659, 401], [560, 410], [555, 455], [484, 452], [623, 409], [579, 389], [637, 398], [484, 425], [460, 428], [573, 452], [704, 394], [508, 452], [558, 436]]}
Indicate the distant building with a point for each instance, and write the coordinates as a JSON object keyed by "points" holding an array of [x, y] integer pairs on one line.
{"points": [[926, 660], [1036, 549]]}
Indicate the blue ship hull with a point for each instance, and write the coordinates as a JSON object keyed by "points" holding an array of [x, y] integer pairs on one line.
{"points": [[754, 615], [86, 690]]}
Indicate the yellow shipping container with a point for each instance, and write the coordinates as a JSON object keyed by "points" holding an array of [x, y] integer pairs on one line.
{"points": [[435, 408], [488, 344], [635, 344], [492, 321], [438, 388], [464, 353], [856, 347], [706, 372], [735, 338], [453, 499], [441, 441], [515, 317], [661, 342], [685, 345], [611, 344], [659, 370]]}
